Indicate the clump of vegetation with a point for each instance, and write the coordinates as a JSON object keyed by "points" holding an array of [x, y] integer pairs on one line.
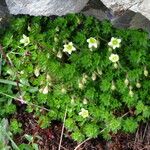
{"points": [[97, 74]]}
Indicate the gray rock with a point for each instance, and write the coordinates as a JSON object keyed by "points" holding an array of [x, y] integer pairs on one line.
{"points": [[45, 7], [140, 6], [95, 8], [123, 21], [140, 22], [4, 13]]}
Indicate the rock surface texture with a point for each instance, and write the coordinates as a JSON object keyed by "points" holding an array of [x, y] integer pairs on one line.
{"points": [[140, 6], [45, 7]]}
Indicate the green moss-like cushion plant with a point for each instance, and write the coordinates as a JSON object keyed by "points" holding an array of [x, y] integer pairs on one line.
{"points": [[93, 72]]}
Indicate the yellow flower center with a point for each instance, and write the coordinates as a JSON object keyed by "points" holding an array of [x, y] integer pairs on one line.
{"points": [[69, 47], [92, 40], [115, 42]]}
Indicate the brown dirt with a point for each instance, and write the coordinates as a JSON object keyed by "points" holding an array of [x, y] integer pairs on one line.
{"points": [[50, 137]]}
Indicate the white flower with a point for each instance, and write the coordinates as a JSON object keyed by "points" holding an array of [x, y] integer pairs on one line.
{"points": [[92, 42], [114, 58], [25, 40], [59, 54], [114, 43], [84, 113], [69, 48]]}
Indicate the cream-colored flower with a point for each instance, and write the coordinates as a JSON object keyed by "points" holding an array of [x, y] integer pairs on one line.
{"points": [[84, 113], [114, 58], [92, 42], [114, 43], [25, 40], [59, 54], [69, 48]]}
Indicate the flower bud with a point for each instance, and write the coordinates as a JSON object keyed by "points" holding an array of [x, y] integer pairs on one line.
{"points": [[29, 28], [115, 65], [72, 100], [94, 76], [56, 39], [63, 90], [81, 86], [131, 93], [48, 77], [113, 87], [84, 79], [126, 81], [138, 85], [37, 71], [110, 49], [57, 28], [145, 72], [99, 71], [59, 54], [130, 87], [45, 90], [22, 72], [85, 101]]}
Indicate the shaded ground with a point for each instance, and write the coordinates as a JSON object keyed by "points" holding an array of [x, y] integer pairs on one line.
{"points": [[50, 137]]}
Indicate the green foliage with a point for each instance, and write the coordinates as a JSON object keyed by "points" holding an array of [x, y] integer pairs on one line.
{"points": [[130, 125], [15, 126], [96, 92]]}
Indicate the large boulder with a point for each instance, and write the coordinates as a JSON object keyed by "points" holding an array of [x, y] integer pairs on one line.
{"points": [[140, 6], [45, 7]]}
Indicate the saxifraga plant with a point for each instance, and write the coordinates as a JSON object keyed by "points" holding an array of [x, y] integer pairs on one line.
{"points": [[100, 74]]}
